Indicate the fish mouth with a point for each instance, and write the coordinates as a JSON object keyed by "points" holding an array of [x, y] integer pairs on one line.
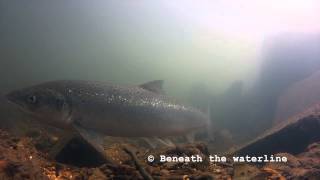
{"points": [[19, 105], [10, 99]]}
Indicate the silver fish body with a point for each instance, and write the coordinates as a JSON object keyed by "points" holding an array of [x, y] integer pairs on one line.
{"points": [[114, 110]]}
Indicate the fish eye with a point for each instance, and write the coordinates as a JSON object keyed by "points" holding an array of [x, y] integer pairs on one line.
{"points": [[32, 99]]}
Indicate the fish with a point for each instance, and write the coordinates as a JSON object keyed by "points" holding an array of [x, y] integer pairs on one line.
{"points": [[93, 109]]}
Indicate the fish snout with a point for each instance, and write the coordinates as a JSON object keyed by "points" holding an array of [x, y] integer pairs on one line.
{"points": [[14, 98]]}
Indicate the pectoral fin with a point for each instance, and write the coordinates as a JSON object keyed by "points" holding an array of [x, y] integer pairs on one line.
{"points": [[64, 139], [94, 139]]}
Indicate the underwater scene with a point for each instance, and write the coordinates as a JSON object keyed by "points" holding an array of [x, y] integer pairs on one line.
{"points": [[160, 90]]}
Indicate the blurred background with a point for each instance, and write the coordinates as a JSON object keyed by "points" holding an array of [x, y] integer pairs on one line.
{"points": [[255, 63]]}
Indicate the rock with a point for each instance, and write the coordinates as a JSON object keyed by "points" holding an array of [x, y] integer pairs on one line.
{"points": [[292, 161], [311, 158], [245, 171], [303, 166], [292, 137], [97, 174], [164, 172], [298, 97], [312, 174], [79, 153]]}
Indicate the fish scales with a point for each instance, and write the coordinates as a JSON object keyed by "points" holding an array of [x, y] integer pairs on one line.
{"points": [[116, 110]]}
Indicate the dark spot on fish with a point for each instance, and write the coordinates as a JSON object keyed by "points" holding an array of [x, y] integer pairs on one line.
{"points": [[32, 99]]}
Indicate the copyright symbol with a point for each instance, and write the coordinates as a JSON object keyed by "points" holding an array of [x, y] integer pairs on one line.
{"points": [[150, 158]]}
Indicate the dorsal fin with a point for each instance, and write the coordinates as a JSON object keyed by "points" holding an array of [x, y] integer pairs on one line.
{"points": [[154, 86]]}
